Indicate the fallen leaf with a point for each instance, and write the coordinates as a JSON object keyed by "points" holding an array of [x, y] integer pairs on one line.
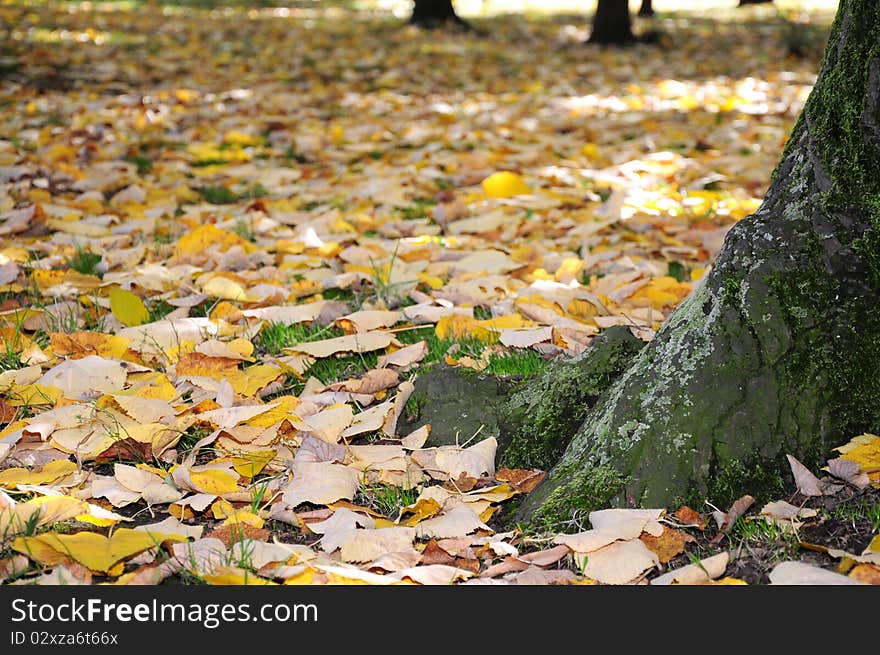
{"points": [[849, 471], [362, 342], [524, 481], [127, 307], [707, 569], [405, 357], [690, 517], [666, 546], [504, 184], [86, 378], [97, 552], [457, 522], [545, 557], [621, 562], [367, 545], [800, 573], [807, 483], [320, 483], [866, 573]]}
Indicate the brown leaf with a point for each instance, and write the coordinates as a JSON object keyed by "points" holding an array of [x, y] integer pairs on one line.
{"points": [[229, 534], [7, 412], [848, 470], [522, 480], [463, 483], [545, 557], [669, 544], [433, 554], [807, 483], [467, 564], [726, 521], [739, 507], [373, 381], [505, 566], [867, 573], [690, 517], [127, 449]]}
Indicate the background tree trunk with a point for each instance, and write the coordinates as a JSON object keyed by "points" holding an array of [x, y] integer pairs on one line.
{"points": [[646, 8], [611, 24], [753, 2], [435, 13], [776, 351]]}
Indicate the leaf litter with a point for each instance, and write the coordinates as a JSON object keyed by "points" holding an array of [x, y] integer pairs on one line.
{"points": [[218, 287]]}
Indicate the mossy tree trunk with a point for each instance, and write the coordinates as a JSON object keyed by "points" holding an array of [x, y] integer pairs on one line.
{"points": [[435, 13], [777, 350], [612, 24]]}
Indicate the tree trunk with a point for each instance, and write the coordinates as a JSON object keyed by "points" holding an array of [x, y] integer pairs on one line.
{"points": [[753, 2], [435, 13], [777, 350], [611, 24], [647, 8]]}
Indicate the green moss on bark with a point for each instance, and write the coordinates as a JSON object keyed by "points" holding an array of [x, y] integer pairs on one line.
{"points": [[547, 411], [583, 491]]}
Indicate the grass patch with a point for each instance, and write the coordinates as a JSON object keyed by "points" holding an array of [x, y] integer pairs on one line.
{"points": [[386, 499], [85, 262], [217, 195], [778, 542], [518, 362], [858, 512], [336, 369], [159, 309], [273, 337], [144, 164], [221, 195], [245, 229]]}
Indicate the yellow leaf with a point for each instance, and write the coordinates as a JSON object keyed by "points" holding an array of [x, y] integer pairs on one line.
{"points": [[505, 184], [223, 287], [663, 292], [128, 308], [457, 326], [47, 474], [95, 551], [199, 239], [249, 381], [304, 577], [214, 481], [590, 151], [82, 344], [240, 516], [222, 508], [241, 138], [864, 450], [230, 575], [283, 410], [726, 581], [32, 394], [39, 511], [251, 464], [422, 509]]}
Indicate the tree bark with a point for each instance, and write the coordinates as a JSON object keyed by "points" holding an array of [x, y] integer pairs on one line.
{"points": [[612, 24], [753, 2], [646, 8], [435, 13], [775, 352]]}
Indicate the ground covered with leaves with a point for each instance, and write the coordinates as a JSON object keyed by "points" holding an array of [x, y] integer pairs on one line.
{"points": [[232, 240]]}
